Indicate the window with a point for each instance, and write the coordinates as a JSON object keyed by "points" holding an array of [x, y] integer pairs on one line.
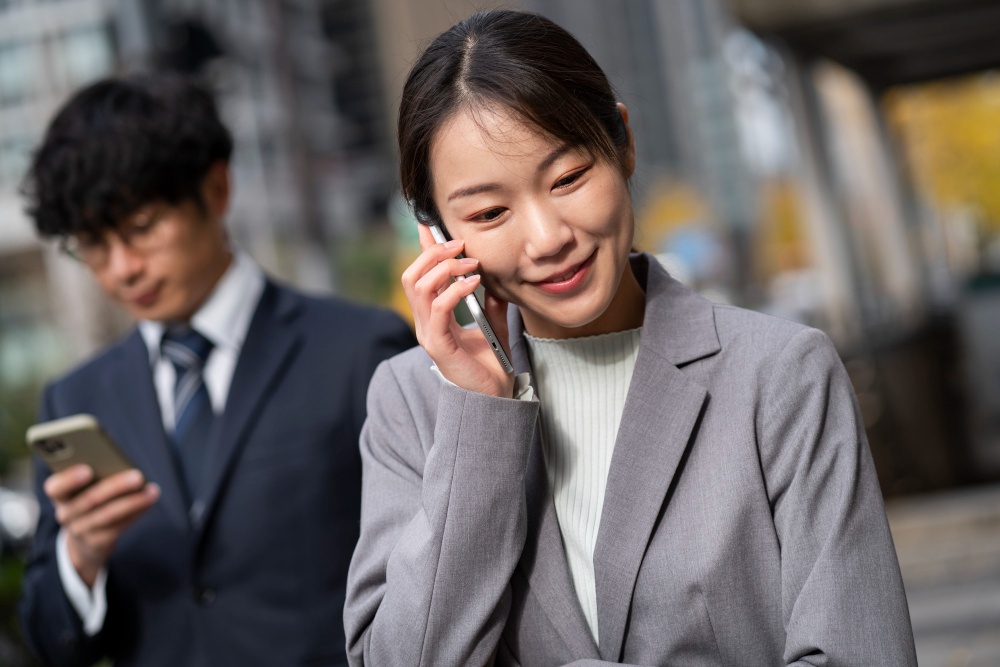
{"points": [[13, 72], [88, 54]]}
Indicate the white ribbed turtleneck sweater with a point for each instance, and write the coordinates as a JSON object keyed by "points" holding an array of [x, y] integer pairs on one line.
{"points": [[581, 384]]}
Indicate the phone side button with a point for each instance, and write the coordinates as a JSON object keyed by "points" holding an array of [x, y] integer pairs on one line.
{"points": [[203, 595]]}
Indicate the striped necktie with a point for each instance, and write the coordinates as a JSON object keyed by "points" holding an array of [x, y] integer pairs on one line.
{"points": [[187, 350]]}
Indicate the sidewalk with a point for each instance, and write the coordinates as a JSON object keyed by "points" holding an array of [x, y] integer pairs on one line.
{"points": [[949, 553]]}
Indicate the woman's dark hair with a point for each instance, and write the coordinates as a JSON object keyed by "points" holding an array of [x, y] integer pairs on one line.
{"points": [[513, 60], [119, 144]]}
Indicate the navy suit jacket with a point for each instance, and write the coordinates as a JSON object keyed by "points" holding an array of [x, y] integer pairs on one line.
{"points": [[257, 575]]}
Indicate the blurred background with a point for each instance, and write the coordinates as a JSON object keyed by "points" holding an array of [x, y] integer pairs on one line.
{"points": [[835, 162]]}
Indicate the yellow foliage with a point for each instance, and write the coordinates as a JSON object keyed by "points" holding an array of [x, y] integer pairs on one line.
{"points": [[780, 242], [671, 204], [950, 132]]}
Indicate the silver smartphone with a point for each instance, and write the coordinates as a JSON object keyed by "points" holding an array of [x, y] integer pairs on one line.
{"points": [[65, 442], [475, 306]]}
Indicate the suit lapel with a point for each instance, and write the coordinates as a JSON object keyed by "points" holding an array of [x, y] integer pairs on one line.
{"points": [[659, 420], [137, 417], [543, 560], [660, 413], [271, 342]]}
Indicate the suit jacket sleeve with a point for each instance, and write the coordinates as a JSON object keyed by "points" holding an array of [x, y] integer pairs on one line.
{"points": [[51, 625], [842, 593], [442, 523]]}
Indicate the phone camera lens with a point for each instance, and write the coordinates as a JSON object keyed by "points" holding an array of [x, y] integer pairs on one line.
{"points": [[52, 446]]}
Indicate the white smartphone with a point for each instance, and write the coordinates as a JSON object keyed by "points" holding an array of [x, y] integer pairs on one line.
{"points": [[475, 306], [65, 442]]}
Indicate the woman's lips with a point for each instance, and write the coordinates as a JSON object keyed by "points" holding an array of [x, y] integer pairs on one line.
{"points": [[568, 280]]}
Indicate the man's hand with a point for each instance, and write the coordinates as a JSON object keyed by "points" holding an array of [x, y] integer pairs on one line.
{"points": [[93, 517]]}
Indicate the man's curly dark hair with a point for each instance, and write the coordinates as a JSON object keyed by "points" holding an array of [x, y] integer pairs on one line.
{"points": [[120, 144]]}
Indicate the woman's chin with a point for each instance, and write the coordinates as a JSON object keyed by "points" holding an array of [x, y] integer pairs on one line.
{"points": [[561, 324]]}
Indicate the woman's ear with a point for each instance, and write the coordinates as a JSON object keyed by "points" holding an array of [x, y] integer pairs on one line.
{"points": [[629, 159]]}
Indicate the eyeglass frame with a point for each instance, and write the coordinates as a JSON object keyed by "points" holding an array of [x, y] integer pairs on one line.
{"points": [[141, 225]]}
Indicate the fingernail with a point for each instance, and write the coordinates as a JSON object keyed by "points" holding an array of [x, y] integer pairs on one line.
{"points": [[454, 243], [83, 474], [473, 277], [153, 490], [468, 261], [134, 477]]}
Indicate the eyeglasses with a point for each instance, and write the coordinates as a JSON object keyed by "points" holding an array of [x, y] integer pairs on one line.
{"points": [[145, 232]]}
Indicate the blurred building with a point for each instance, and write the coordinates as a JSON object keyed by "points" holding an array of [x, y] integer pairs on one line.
{"points": [[926, 350]]}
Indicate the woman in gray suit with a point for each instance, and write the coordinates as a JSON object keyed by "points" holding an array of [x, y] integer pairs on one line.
{"points": [[664, 482]]}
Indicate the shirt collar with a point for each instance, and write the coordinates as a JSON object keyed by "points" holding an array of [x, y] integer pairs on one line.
{"points": [[225, 316]]}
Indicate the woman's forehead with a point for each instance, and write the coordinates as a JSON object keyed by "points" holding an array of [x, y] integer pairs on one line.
{"points": [[496, 130]]}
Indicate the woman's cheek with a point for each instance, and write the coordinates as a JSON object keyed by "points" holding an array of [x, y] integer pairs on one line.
{"points": [[497, 254], [498, 283]]}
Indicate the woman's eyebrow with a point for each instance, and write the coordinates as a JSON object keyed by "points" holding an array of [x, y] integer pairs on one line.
{"points": [[494, 187], [474, 190]]}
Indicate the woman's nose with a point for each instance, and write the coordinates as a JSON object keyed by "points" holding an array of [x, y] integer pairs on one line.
{"points": [[547, 232]]}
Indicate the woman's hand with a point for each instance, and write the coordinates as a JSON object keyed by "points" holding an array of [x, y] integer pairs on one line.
{"points": [[462, 355]]}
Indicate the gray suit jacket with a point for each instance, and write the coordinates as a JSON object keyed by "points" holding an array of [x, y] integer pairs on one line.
{"points": [[742, 522]]}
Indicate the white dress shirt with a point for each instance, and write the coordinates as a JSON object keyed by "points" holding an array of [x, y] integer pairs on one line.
{"points": [[224, 319]]}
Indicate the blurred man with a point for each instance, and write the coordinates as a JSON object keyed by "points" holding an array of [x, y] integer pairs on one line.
{"points": [[239, 400]]}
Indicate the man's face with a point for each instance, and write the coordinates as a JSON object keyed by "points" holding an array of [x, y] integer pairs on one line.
{"points": [[163, 261]]}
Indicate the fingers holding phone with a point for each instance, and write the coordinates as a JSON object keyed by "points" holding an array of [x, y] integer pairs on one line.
{"points": [[95, 514], [95, 490], [464, 356]]}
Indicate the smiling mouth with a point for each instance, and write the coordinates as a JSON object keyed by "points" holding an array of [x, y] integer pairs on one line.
{"points": [[568, 274], [568, 279]]}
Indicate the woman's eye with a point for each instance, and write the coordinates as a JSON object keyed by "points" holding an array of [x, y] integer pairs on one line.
{"points": [[569, 179], [490, 215]]}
